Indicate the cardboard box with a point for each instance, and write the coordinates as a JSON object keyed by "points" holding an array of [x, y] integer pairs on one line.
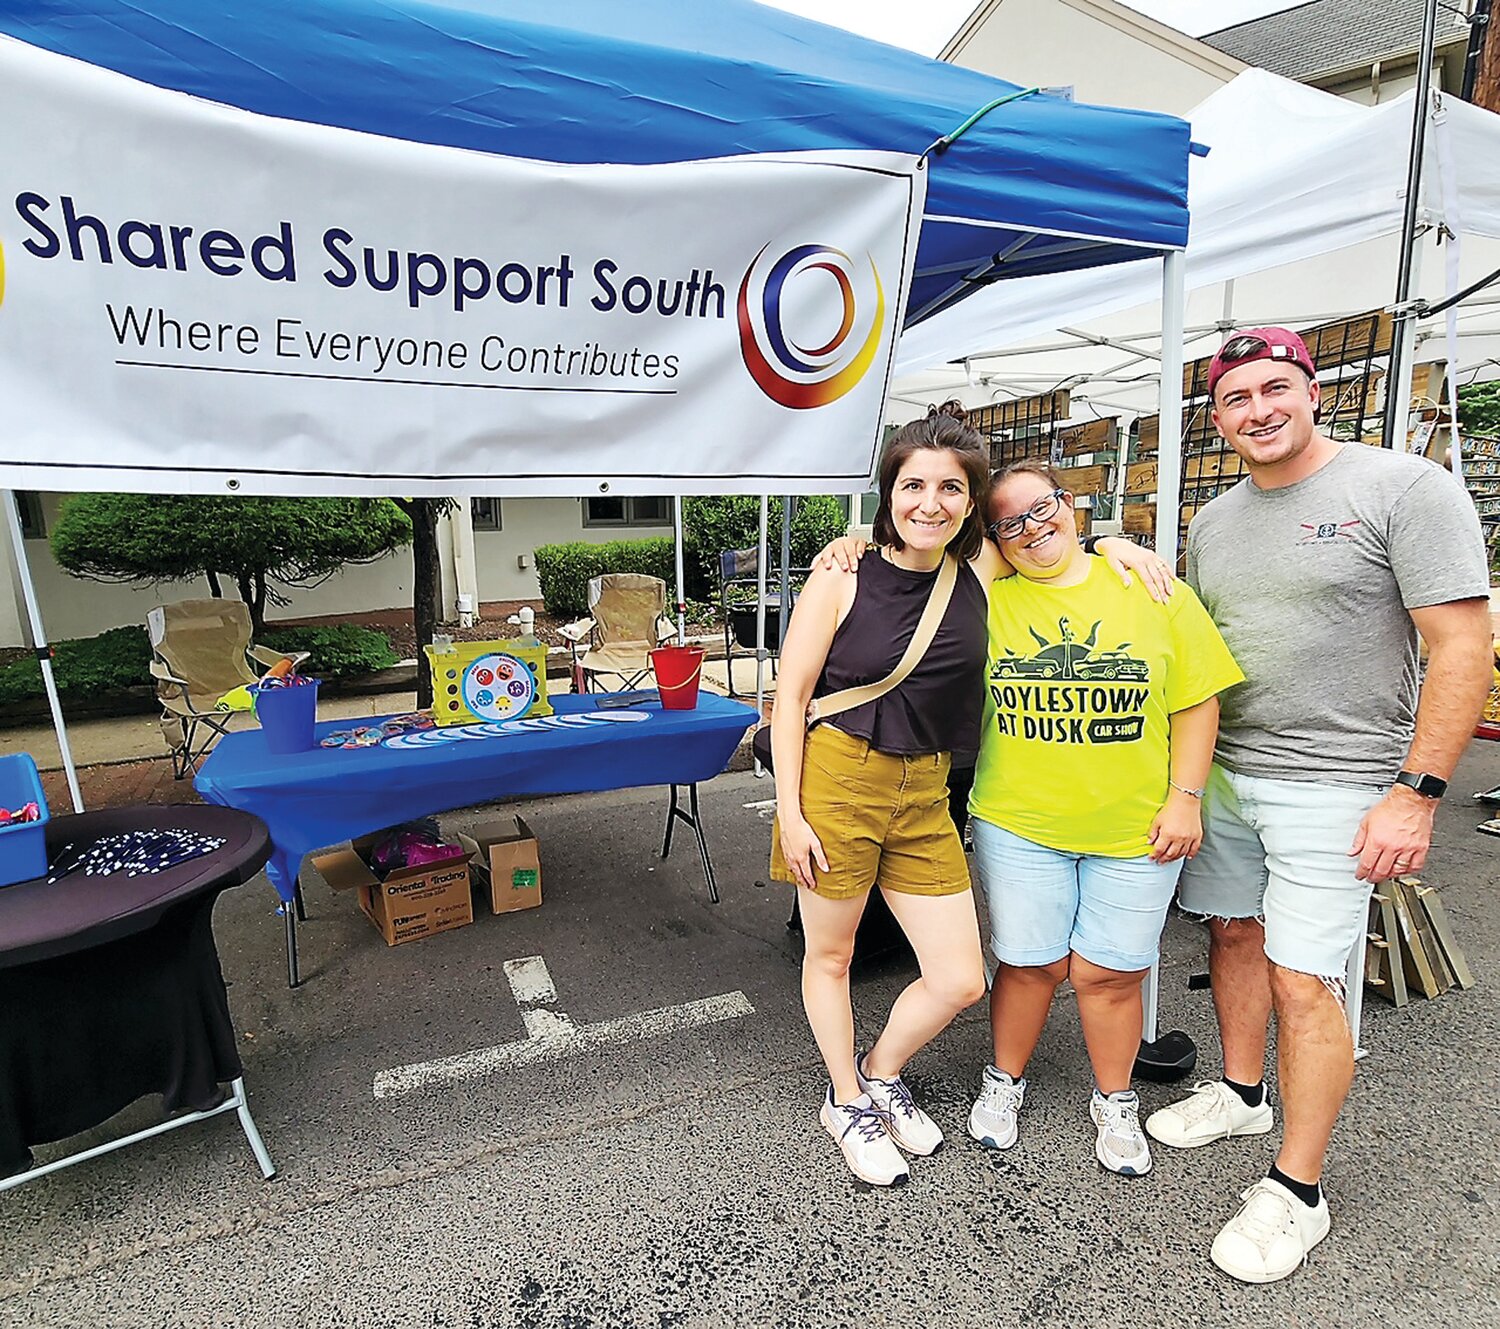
{"points": [[409, 904], [506, 857]]}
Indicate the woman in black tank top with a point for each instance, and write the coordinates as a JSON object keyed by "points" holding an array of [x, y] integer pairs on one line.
{"points": [[863, 798]]}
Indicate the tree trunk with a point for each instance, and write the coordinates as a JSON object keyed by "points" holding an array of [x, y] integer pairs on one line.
{"points": [[214, 588], [258, 608], [255, 602], [426, 583]]}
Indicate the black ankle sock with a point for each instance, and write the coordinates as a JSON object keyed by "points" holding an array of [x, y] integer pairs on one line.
{"points": [[1308, 1192], [1253, 1095]]}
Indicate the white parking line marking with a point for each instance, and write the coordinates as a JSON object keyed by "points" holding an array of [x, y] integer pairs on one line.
{"points": [[529, 980], [552, 1035]]}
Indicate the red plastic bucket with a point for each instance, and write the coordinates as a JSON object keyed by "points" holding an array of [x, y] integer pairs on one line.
{"points": [[677, 669]]}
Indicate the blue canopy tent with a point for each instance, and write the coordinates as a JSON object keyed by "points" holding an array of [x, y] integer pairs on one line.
{"points": [[1037, 185], [1019, 182]]}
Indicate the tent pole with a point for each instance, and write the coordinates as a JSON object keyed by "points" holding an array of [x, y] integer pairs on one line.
{"points": [[1169, 445], [39, 640], [760, 616], [1394, 427], [1398, 384], [677, 551], [784, 613], [1168, 495]]}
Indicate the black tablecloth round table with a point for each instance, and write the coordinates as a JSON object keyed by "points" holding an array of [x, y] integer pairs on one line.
{"points": [[110, 987]]}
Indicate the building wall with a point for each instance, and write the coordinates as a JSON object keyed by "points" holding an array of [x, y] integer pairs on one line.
{"points": [[1364, 87], [75, 607], [1062, 43], [527, 523]]}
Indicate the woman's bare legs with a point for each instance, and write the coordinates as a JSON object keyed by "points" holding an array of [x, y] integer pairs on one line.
{"points": [[828, 935], [1019, 1002], [944, 932], [1109, 1007]]}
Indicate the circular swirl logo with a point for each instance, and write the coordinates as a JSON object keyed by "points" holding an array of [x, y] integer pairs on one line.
{"points": [[808, 295]]}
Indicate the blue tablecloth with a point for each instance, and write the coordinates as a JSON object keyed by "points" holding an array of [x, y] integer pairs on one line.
{"points": [[328, 795]]}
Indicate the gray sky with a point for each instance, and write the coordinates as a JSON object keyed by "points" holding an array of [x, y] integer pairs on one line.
{"points": [[926, 27]]}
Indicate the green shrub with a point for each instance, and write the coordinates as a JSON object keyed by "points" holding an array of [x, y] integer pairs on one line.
{"points": [[1479, 407], [342, 651], [709, 525], [121, 658], [564, 570]]}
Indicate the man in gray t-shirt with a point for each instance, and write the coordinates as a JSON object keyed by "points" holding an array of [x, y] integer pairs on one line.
{"points": [[1319, 569]]}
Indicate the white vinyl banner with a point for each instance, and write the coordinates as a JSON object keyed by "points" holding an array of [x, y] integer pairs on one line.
{"points": [[194, 299]]}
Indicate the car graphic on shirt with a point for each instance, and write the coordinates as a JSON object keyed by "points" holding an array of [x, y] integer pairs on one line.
{"points": [[1071, 659]]}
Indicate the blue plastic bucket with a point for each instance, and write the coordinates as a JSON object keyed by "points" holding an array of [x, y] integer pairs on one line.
{"points": [[23, 845], [288, 716]]}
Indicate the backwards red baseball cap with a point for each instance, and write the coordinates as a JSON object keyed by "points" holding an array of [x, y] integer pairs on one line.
{"points": [[1259, 344]]}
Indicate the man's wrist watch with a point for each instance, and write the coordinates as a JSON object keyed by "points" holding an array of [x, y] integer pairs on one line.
{"points": [[1429, 786]]}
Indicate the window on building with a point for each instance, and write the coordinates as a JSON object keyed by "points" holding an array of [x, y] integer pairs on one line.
{"points": [[642, 510], [485, 513], [29, 505]]}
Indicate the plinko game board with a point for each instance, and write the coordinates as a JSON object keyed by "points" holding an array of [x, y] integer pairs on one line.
{"points": [[488, 682]]}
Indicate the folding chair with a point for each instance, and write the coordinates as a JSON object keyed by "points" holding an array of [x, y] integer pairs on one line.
{"points": [[201, 650], [627, 621]]}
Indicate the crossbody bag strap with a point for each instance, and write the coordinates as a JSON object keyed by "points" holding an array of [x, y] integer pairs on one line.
{"points": [[821, 708]]}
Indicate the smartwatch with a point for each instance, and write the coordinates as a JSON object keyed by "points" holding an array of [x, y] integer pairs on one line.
{"points": [[1429, 786], [1090, 543]]}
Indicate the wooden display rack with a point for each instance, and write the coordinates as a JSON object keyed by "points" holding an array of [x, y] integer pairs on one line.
{"points": [[1410, 943]]}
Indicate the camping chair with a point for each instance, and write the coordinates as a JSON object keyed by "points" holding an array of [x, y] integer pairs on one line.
{"points": [[201, 650], [627, 621], [738, 586]]}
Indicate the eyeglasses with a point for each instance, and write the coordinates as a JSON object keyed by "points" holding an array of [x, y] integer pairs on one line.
{"points": [[1044, 509]]}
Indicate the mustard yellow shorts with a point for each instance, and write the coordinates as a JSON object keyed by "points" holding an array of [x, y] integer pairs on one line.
{"points": [[880, 818]]}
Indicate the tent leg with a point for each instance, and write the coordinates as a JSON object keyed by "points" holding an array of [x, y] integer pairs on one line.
{"points": [[788, 507], [1169, 446], [760, 618], [677, 544], [289, 913], [1398, 382], [1395, 426], [1150, 996], [39, 640]]}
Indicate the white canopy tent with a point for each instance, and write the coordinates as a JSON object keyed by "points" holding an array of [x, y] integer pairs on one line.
{"points": [[1296, 218]]}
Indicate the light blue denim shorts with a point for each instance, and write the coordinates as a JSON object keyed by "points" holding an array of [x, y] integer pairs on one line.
{"points": [[1045, 902], [1279, 850]]}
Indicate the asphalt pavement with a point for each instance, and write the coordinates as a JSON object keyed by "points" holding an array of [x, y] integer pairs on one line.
{"points": [[646, 1152]]}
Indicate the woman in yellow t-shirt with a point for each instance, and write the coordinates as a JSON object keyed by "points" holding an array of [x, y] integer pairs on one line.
{"points": [[1101, 711]]}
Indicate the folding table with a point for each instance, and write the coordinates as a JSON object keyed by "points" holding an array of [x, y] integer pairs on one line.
{"points": [[111, 990], [595, 742]]}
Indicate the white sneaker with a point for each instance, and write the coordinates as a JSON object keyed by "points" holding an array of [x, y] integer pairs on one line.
{"points": [[905, 1122], [992, 1119], [1213, 1111], [1271, 1235], [1120, 1145], [860, 1132]]}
